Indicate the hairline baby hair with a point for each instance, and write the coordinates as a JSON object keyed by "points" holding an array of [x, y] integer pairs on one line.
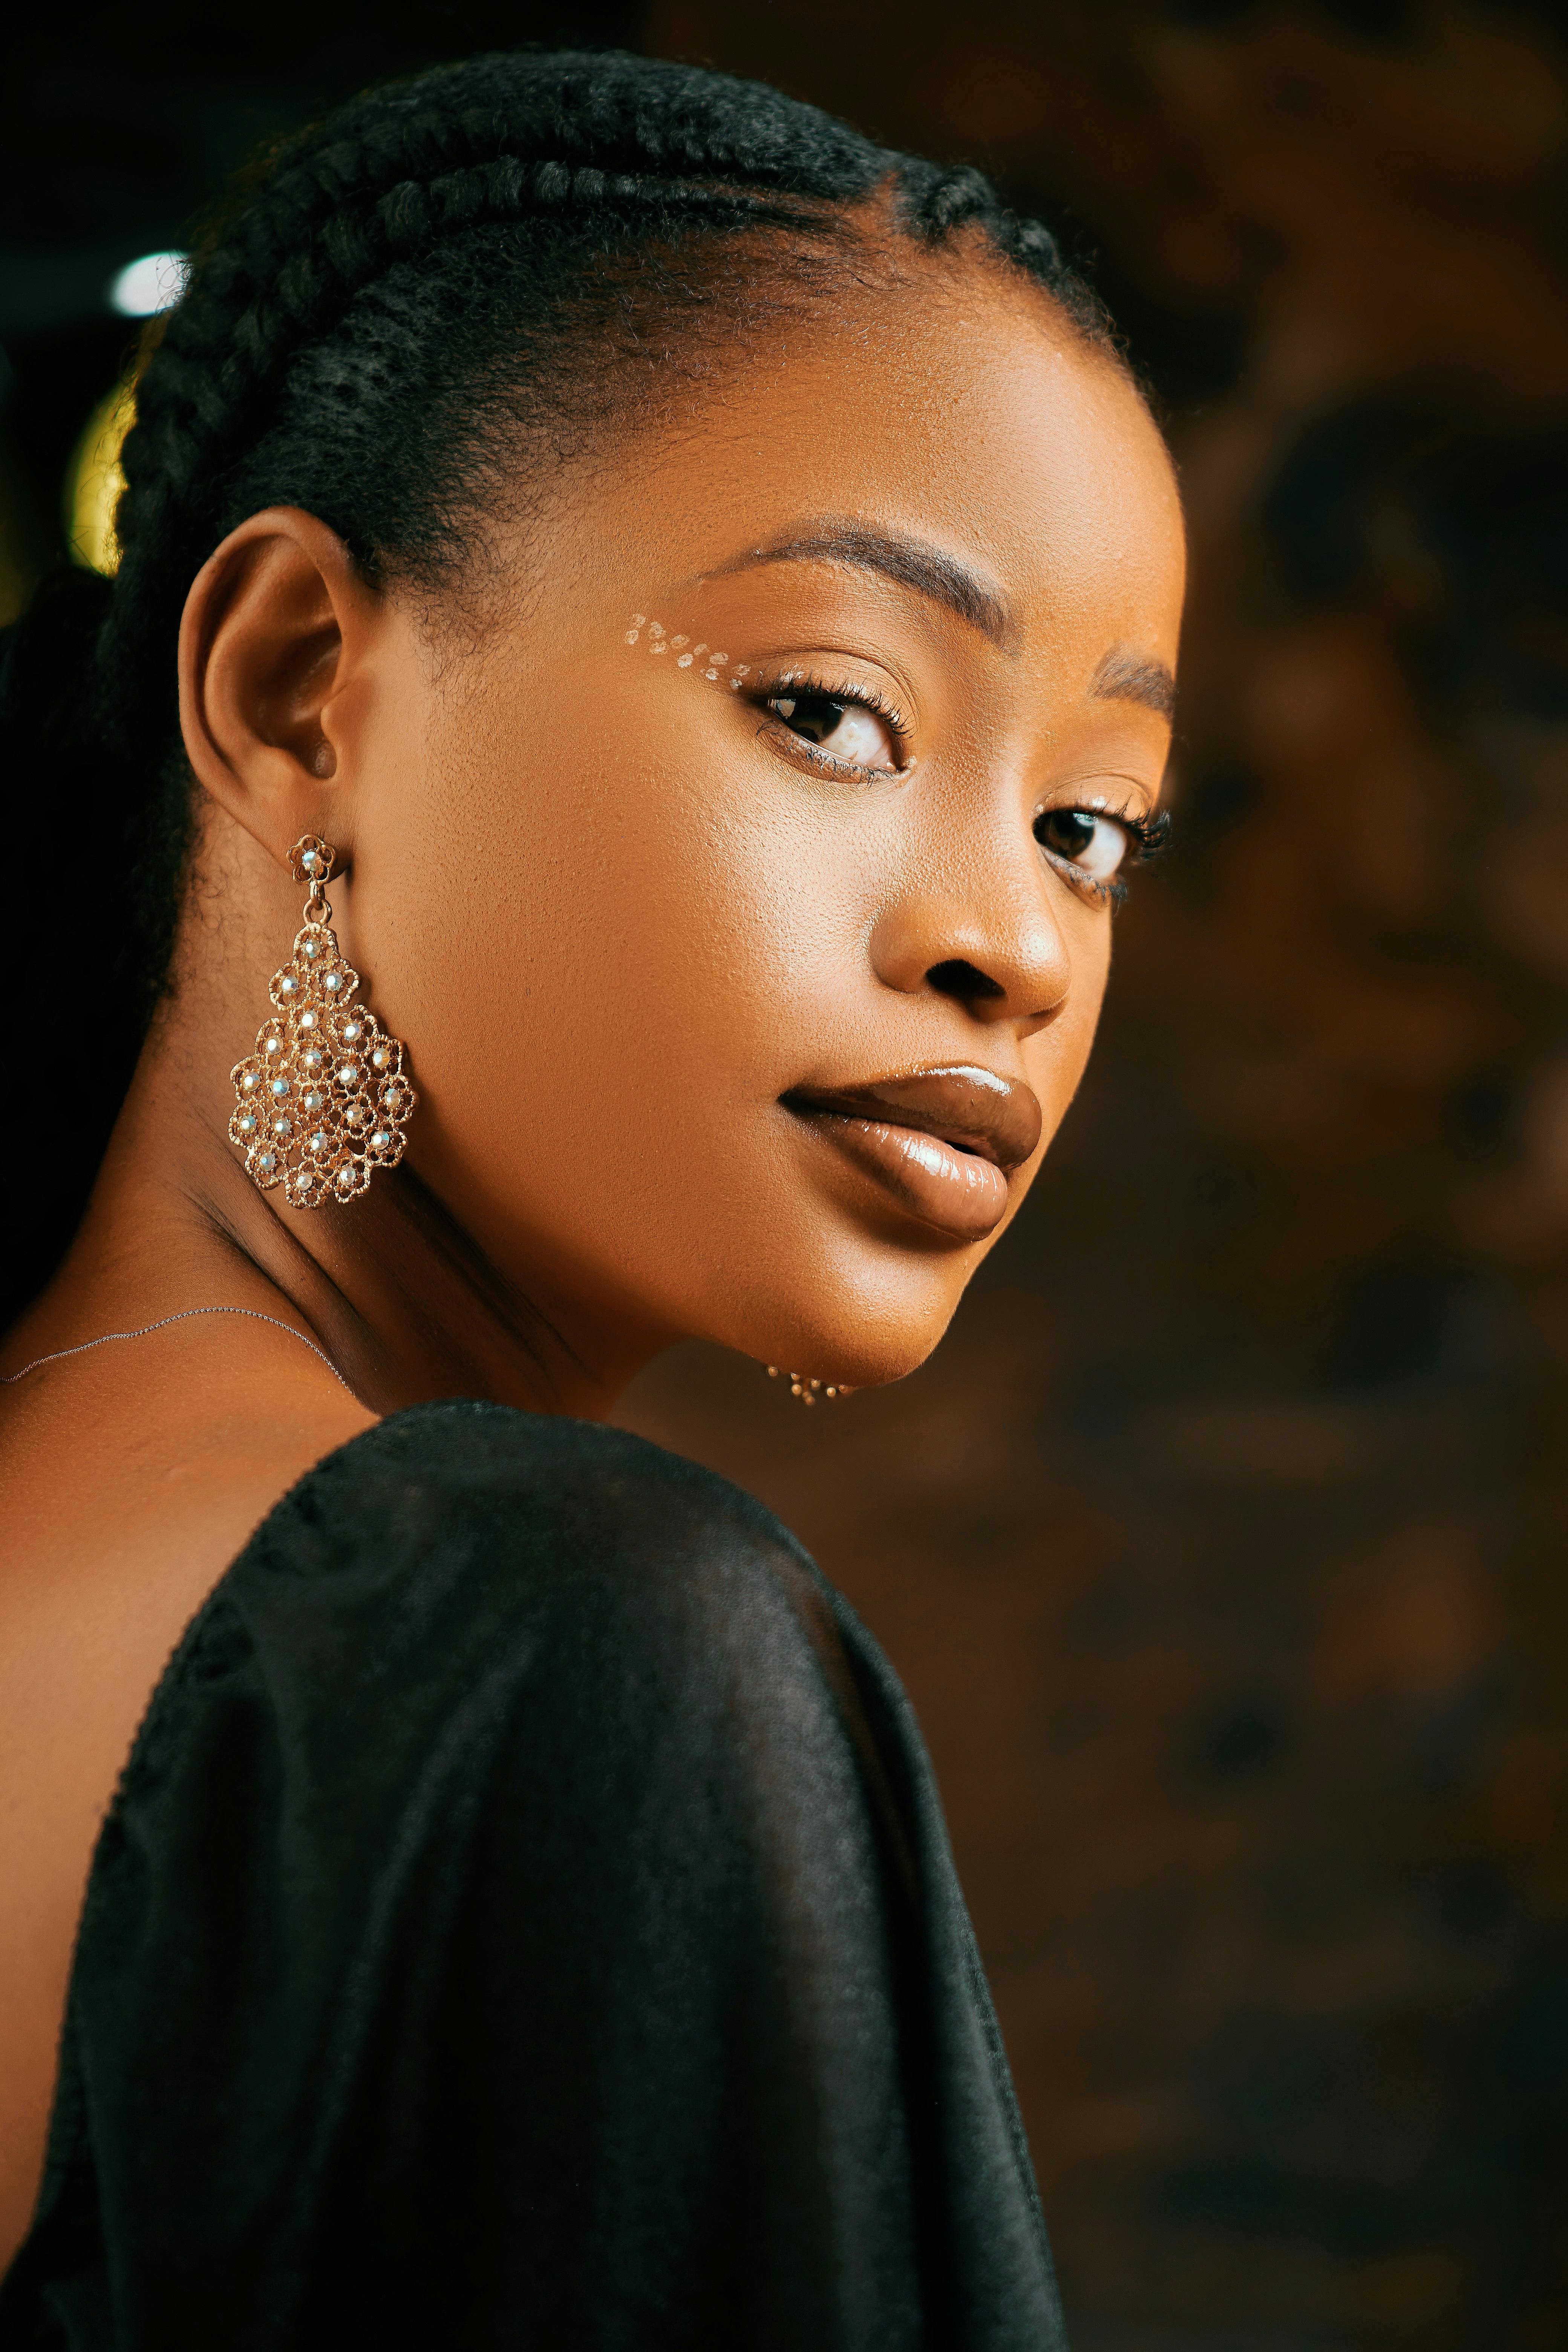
{"points": [[390, 299]]}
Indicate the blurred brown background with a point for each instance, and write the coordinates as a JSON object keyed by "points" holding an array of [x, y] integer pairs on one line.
{"points": [[1221, 1544]]}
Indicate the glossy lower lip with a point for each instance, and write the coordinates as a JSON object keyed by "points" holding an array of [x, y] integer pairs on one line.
{"points": [[942, 1141], [956, 1190]]}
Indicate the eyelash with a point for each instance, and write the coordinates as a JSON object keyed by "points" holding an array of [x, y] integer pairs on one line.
{"points": [[1148, 839], [1148, 836], [808, 683]]}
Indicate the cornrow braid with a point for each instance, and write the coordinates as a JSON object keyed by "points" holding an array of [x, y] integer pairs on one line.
{"points": [[233, 339], [369, 329]]}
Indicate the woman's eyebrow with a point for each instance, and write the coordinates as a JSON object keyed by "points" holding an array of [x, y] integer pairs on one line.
{"points": [[1124, 675], [912, 563]]}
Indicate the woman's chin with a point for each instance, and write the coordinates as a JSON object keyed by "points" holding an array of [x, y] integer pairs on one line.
{"points": [[869, 1353]]}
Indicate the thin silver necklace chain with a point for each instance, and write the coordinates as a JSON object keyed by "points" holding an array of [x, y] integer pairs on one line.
{"points": [[254, 1312]]}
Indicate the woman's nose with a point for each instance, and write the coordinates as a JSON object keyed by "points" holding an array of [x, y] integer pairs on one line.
{"points": [[1006, 961]]}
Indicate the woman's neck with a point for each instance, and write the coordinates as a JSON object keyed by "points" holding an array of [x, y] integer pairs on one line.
{"points": [[404, 1301]]}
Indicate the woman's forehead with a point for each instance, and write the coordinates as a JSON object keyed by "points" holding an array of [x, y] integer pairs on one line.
{"points": [[985, 457]]}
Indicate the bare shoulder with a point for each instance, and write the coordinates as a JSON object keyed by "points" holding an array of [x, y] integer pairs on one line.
{"points": [[128, 1483]]}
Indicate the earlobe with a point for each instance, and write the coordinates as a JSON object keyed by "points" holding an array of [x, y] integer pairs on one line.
{"points": [[276, 633]]}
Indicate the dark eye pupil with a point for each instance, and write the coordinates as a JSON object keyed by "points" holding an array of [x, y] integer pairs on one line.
{"points": [[815, 716], [1067, 831]]}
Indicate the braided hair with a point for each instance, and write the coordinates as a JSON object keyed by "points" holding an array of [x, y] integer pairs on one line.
{"points": [[392, 304]]}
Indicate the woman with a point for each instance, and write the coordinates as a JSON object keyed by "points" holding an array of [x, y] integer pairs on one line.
{"points": [[687, 598]]}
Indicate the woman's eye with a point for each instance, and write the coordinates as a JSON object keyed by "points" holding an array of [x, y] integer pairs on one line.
{"points": [[846, 730], [1096, 845]]}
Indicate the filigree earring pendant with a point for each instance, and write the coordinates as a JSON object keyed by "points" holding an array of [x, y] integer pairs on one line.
{"points": [[323, 1100]]}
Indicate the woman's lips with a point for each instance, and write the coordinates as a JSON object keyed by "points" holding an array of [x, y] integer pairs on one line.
{"points": [[942, 1142]]}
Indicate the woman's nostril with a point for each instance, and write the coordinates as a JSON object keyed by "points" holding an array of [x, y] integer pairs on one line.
{"points": [[963, 980]]}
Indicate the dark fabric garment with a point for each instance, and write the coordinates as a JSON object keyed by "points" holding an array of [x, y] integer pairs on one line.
{"points": [[526, 1920]]}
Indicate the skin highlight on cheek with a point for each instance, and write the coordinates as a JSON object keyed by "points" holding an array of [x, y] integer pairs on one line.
{"points": [[707, 664], [808, 944]]}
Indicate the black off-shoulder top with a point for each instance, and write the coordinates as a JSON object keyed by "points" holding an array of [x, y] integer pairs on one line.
{"points": [[526, 1921]]}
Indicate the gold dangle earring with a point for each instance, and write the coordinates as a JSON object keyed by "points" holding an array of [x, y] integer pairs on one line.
{"points": [[807, 1390], [323, 1098]]}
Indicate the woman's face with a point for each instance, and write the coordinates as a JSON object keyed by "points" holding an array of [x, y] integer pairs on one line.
{"points": [[794, 771]]}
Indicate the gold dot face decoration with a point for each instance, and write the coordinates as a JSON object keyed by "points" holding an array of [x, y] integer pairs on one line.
{"points": [[323, 1100], [806, 1391], [700, 659]]}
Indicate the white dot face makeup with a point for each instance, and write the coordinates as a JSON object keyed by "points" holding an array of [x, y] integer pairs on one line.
{"points": [[716, 667]]}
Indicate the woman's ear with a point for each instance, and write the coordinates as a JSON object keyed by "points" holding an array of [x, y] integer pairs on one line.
{"points": [[276, 643]]}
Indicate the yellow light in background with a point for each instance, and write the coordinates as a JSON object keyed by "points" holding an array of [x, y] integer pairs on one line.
{"points": [[94, 481]]}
